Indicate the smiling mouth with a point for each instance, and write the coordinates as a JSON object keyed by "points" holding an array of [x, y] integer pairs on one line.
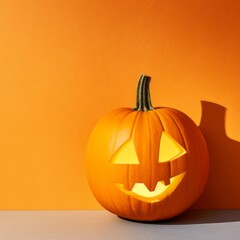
{"points": [[161, 191]]}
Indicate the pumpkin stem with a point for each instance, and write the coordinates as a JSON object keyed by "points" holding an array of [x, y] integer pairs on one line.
{"points": [[143, 101]]}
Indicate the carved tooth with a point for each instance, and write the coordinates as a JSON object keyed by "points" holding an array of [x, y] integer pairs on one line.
{"points": [[167, 182], [160, 187], [172, 179], [140, 188], [130, 185]]}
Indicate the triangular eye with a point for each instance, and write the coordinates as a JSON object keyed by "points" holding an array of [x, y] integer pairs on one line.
{"points": [[126, 154], [169, 149]]}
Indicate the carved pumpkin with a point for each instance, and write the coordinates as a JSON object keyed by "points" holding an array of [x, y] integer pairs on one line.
{"points": [[146, 163]]}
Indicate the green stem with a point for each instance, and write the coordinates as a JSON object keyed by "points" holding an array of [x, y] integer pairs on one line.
{"points": [[143, 102]]}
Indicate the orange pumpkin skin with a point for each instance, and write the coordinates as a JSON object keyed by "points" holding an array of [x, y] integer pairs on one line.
{"points": [[184, 176]]}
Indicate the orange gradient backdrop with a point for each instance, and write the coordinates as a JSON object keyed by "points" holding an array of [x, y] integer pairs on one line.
{"points": [[63, 64]]}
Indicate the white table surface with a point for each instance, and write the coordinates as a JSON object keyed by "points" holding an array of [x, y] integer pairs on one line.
{"points": [[88, 225]]}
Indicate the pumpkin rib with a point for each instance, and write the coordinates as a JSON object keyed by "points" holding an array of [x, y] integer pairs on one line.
{"points": [[202, 150], [128, 167], [128, 170], [184, 117], [150, 168], [165, 114], [155, 111], [160, 121], [150, 150], [178, 127], [165, 122], [132, 124], [199, 148], [138, 122], [181, 135], [119, 123], [186, 147], [145, 122], [119, 127]]}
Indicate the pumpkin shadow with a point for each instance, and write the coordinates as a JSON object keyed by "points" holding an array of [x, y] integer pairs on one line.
{"points": [[223, 187], [202, 217], [191, 217]]}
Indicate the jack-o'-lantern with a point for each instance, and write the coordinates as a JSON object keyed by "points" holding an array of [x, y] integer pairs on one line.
{"points": [[146, 163]]}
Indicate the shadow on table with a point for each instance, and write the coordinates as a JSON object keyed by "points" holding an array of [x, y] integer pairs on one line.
{"points": [[202, 216], [191, 217]]}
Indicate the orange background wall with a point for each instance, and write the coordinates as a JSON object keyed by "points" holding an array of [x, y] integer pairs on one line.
{"points": [[63, 64]]}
